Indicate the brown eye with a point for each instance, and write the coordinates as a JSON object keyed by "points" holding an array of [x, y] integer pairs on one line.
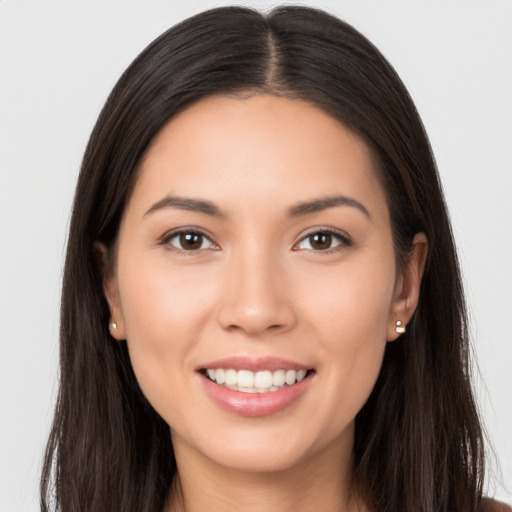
{"points": [[190, 241], [323, 241], [320, 241]]}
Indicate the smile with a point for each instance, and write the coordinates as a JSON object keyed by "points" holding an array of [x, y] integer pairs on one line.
{"points": [[247, 381], [255, 387]]}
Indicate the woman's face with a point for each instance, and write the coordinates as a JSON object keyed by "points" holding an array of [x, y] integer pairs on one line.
{"points": [[256, 251]]}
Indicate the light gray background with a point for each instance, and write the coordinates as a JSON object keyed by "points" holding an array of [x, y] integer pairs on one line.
{"points": [[59, 60]]}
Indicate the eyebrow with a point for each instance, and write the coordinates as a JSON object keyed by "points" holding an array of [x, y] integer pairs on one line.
{"points": [[322, 203], [297, 210], [186, 203]]}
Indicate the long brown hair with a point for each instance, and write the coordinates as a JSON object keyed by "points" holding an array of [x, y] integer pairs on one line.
{"points": [[418, 440]]}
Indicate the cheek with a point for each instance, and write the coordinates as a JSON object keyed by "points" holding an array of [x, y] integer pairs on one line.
{"points": [[159, 301], [164, 312], [352, 302], [350, 319]]}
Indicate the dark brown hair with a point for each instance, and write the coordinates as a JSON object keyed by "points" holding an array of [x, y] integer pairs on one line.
{"points": [[418, 440]]}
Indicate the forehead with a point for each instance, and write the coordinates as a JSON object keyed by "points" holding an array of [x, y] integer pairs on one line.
{"points": [[229, 148]]}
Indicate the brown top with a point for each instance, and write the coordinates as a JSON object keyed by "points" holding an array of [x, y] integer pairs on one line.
{"points": [[489, 505]]}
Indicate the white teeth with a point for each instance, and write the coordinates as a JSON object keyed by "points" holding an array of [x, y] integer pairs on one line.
{"points": [[278, 377], [263, 381], [220, 376], [291, 377], [247, 390], [231, 378], [245, 379]]}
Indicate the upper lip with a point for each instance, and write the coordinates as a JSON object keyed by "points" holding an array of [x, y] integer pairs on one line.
{"points": [[254, 364]]}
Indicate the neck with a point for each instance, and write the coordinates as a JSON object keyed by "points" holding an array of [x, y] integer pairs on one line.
{"points": [[321, 482]]}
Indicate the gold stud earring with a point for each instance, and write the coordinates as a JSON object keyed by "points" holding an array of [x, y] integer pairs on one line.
{"points": [[113, 326], [400, 329]]}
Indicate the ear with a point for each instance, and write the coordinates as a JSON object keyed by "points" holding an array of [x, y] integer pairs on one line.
{"points": [[407, 289], [106, 267]]}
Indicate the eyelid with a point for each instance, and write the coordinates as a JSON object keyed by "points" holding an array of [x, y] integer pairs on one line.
{"points": [[169, 235], [342, 236]]}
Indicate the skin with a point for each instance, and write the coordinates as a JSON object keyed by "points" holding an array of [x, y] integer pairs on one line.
{"points": [[259, 287]]}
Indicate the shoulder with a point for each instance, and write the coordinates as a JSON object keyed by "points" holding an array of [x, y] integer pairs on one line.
{"points": [[488, 505]]}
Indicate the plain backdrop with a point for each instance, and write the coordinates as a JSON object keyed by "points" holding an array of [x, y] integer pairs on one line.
{"points": [[60, 59]]}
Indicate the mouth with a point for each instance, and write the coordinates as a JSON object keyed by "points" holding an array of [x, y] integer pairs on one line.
{"points": [[254, 387], [262, 381]]}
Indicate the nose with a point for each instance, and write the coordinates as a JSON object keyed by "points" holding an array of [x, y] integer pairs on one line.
{"points": [[256, 300]]}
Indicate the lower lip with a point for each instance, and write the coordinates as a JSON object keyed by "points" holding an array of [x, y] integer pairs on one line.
{"points": [[254, 404]]}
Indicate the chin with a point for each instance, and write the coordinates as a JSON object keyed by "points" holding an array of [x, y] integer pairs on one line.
{"points": [[269, 448], [248, 460]]}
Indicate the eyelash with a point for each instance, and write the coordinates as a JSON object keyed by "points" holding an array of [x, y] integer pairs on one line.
{"points": [[343, 239], [166, 240]]}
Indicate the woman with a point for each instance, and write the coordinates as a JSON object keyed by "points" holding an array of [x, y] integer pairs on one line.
{"points": [[262, 308]]}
